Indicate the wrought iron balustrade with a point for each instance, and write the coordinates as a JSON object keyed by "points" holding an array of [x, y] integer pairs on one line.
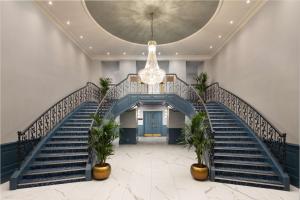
{"points": [[171, 84], [39, 128], [265, 130]]}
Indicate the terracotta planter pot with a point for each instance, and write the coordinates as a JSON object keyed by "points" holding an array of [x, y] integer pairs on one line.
{"points": [[101, 172], [199, 172]]}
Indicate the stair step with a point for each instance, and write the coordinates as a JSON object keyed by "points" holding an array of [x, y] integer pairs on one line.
{"points": [[36, 172], [241, 163], [234, 142], [240, 157], [24, 183], [69, 138], [246, 149], [78, 124], [246, 171], [59, 132], [64, 149], [55, 155], [234, 155], [250, 182], [235, 139], [58, 162]]}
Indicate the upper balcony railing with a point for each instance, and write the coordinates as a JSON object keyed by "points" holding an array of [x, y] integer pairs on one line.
{"points": [[171, 84]]}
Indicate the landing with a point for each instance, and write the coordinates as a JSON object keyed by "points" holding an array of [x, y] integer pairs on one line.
{"points": [[149, 170]]}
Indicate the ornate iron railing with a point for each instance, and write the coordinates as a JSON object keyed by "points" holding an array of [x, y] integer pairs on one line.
{"points": [[265, 130], [39, 128], [171, 84]]}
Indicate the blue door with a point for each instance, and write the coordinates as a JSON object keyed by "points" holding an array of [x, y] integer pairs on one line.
{"points": [[152, 123]]}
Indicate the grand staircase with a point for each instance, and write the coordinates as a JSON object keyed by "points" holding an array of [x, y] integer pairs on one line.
{"points": [[61, 155], [63, 158], [238, 157]]}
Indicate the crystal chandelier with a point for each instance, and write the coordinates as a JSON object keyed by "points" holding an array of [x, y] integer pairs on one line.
{"points": [[152, 74]]}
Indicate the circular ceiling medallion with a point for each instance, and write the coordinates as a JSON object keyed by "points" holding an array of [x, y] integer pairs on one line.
{"points": [[172, 20]]}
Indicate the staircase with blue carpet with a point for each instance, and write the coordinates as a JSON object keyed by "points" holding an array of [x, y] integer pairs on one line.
{"points": [[63, 158], [238, 157]]}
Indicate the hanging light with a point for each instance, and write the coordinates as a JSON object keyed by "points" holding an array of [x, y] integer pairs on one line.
{"points": [[152, 74]]}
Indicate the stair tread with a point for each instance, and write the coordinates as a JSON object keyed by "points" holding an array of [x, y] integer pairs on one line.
{"points": [[239, 155], [70, 131], [43, 155], [70, 136], [25, 182], [234, 142], [52, 170], [232, 137], [82, 123], [240, 162], [38, 163], [238, 148], [67, 142], [246, 171], [250, 180], [65, 148]]}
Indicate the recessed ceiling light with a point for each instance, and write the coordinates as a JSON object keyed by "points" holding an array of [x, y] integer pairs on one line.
{"points": [[176, 53], [68, 22], [143, 53], [231, 21], [90, 47], [158, 53], [210, 46], [219, 36], [248, 1], [81, 37], [107, 53], [124, 53], [50, 3]]}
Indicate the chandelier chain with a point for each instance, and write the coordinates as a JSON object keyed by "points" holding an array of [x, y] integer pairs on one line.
{"points": [[152, 14]]}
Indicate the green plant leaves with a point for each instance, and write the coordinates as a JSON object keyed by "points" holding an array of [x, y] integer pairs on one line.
{"points": [[104, 86], [101, 138], [195, 135]]}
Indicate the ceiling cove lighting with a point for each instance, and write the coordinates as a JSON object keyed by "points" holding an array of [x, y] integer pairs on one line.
{"points": [[152, 74]]}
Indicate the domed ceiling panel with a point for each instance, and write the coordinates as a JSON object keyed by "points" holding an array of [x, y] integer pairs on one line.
{"points": [[131, 20]]}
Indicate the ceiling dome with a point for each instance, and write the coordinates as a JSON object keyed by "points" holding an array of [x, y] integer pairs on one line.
{"points": [[173, 20]]}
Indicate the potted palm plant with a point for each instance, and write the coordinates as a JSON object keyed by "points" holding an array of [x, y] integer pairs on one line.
{"points": [[195, 136], [104, 86], [201, 84], [100, 141]]}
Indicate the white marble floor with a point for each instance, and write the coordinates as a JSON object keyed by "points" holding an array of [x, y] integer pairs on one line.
{"points": [[150, 170]]}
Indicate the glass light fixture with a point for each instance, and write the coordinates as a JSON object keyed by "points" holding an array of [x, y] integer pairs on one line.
{"points": [[152, 74]]}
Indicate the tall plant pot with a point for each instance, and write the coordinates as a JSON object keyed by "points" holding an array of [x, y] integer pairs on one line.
{"points": [[199, 172], [101, 172]]}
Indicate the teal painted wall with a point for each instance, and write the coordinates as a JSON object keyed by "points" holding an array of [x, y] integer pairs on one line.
{"points": [[292, 166], [9, 161]]}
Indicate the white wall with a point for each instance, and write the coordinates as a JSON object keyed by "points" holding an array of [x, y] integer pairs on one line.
{"points": [[176, 119], [178, 67], [261, 65], [39, 66], [126, 67], [95, 71], [128, 119]]}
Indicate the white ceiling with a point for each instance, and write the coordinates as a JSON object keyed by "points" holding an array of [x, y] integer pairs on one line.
{"points": [[97, 42]]}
